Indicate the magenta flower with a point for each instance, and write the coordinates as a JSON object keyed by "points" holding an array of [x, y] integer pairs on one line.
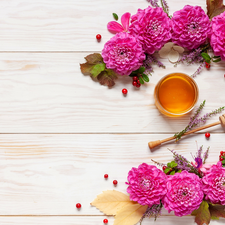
{"points": [[123, 53], [214, 184], [115, 27], [147, 184], [152, 28], [217, 36], [184, 193], [190, 27]]}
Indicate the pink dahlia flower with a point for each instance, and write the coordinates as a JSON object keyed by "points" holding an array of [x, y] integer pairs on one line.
{"points": [[123, 53], [152, 27], [147, 184], [214, 184], [184, 193], [190, 27], [217, 37]]}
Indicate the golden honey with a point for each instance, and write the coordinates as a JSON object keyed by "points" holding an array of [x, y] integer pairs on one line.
{"points": [[176, 94]]}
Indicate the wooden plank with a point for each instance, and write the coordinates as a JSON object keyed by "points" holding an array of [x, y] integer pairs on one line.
{"points": [[94, 220], [46, 93], [48, 174], [63, 25]]}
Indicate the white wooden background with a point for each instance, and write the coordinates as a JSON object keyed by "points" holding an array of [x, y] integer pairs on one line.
{"points": [[60, 132]]}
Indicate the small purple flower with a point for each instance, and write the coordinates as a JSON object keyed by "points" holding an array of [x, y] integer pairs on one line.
{"points": [[184, 193], [190, 27], [214, 184], [147, 184]]}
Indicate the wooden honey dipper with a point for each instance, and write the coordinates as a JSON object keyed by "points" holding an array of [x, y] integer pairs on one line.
{"points": [[221, 121]]}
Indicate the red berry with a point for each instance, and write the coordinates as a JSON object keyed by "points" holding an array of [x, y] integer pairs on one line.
{"points": [[164, 167], [138, 85], [78, 205], [134, 83], [138, 82], [135, 78], [105, 221], [207, 135], [207, 65], [115, 182], [98, 37], [106, 176], [221, 159], [124, 91]]}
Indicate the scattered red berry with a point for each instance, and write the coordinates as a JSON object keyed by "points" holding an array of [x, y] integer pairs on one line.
{"points": [[78, 205], [106, 176], [207, 65], [115, 182], [207, 135], [124, 91], [138, 85], [98, 37], [134, 83], [105, 221], [164, 167], [135, 78]]}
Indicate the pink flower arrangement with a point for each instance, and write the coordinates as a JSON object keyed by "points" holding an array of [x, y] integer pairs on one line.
{"points": [[123, 53], [214, 184], [217, 36], [190, 27], [152, 27], [147, 184], [184, 193]]}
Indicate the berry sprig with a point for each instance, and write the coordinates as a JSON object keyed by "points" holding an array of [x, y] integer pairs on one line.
{"points": [[171, 168], [208, 59], [139, 77], [222, 158]]}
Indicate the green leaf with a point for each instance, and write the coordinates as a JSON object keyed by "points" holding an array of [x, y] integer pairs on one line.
{"points": [[115, 16], [145, 77], [141, 80], [217, 211], [169, 165], [141, 69], [202, 214], [97, 69], [216, 56], [217, 60], [107, 77], [206, 57], [173, 164], [214, 7], [172, 173], [179, 171], [223, 162], [166, 170]]}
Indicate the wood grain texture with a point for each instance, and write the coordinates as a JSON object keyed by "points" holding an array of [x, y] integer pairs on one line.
{"points": [[47, 93], [64, 25], [94, 220], [43, 174]]}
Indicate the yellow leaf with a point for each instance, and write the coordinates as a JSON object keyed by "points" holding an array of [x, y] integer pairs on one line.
{"points": [[130, 214], [109, 202]]}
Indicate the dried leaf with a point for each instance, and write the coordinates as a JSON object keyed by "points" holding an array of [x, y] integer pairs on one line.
{"points": [[202, 214], [130, 214], [94, 58], [217, 211], [107, 77], [109, 202], [214, 7]]}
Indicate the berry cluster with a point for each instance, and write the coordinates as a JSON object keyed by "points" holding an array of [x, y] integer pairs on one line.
{"points": [[136, 82], [222, 158], [139, 77]]}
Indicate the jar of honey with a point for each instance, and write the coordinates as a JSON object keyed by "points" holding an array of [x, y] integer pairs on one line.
{"points": [[176, 94]]}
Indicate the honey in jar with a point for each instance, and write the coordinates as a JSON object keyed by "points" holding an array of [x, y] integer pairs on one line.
{"points": [[176, 94]]}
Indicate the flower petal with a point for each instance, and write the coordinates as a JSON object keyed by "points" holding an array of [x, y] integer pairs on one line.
{"points": [[179, 49], [125, 20], [114, 27], [173, 56]]}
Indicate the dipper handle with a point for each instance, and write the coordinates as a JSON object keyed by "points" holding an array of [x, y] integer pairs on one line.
{"points": [[154, 144]]}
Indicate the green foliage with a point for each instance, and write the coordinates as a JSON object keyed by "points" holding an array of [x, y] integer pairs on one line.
{"points": [[96, 68], [140, 74], [115, 16], [145, 77], [206, 57]]}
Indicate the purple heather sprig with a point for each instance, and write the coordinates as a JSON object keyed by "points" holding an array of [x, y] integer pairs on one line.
{"points": [[149, 61], [154, 3], [154, 211]]}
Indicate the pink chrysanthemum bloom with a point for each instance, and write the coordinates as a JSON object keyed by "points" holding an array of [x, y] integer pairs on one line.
{"points": [[147, 184], [190, 27], [152, 27], [123, 53], [184, 193], [214, 184], [217, 37]]}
